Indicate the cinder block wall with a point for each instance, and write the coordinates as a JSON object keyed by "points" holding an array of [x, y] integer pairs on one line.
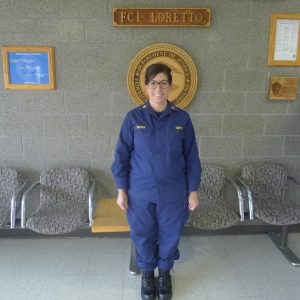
{"points": [[77, 124]]}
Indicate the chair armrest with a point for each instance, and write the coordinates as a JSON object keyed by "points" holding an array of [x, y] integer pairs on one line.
{"points": [[239, 195], [91, 201], [23, 203], [250, 198], [13, 204]]}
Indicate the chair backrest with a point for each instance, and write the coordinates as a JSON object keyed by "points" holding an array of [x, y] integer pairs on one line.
{"points": [[266, 180], [10, 181], [64, 184], [212, 182]]}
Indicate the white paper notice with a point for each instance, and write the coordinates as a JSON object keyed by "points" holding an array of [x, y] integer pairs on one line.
{"points": [[286, 41]]}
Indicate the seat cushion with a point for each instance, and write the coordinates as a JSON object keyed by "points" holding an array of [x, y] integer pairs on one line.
{"points": [[4, 213], [266, 179], [10, 181], [213, 216], [212, 212], [212, 177], [64, 181], [63, 201], [275, 213], [58, 218], [268, 185]]}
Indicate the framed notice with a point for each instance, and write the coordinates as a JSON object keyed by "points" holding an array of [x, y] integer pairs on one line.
{"points": [[28, 67], [284, 41]]}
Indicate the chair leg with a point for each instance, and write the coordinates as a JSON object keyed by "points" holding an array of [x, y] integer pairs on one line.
{"points": [[281, 243], [133, 268]]}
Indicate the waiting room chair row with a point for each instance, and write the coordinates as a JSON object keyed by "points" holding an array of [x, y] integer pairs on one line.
{"points": [[65, 200], [264, 189]]}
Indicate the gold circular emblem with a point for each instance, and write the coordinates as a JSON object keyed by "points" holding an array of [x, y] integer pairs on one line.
{"points": [[184, 73]]}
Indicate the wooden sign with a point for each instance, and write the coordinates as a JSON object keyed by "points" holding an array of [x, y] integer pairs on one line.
{"points": [[161, 17], [283, 88]]}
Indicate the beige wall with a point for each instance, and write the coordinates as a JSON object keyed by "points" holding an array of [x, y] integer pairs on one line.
{"points": [[77, 124]]}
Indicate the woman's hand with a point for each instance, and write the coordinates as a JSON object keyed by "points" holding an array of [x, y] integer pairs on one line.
{"points": [[193, 200], [122, 199]]}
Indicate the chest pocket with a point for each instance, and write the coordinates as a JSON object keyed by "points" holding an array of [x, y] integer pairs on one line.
{"points": [[142, 138], [176, 137]]}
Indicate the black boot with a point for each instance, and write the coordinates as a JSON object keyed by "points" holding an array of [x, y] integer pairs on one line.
{"points": [[164, 288], [148, 286]]}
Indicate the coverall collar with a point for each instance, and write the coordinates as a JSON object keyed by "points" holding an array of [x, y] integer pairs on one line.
{"points": [[170, 107]]}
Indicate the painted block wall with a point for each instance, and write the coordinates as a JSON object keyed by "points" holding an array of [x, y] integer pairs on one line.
{"points": [[78, 123]]}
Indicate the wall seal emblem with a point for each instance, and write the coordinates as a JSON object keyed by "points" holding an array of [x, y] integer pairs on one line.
{"points": [[183, 70]]}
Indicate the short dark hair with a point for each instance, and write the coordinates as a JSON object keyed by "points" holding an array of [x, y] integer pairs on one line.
{"points": [[154, 69]]}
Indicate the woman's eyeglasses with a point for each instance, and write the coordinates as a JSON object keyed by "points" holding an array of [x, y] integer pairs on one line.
{"points": [[163, 84]]}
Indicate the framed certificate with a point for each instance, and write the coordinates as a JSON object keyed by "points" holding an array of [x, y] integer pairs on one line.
{"points": [[284, 41], [28, 67]]}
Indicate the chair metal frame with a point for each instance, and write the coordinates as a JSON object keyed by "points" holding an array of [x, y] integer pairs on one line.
{"points": [[14, 199], [37, 183], [279, 239], [250, 198], [240, 197], [13, 204]]}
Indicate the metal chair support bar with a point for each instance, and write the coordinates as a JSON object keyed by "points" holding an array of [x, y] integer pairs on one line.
{"points": [[240, 197], [250, 198], [23, 203], [13, 205], [91, 204], [280, 242]]}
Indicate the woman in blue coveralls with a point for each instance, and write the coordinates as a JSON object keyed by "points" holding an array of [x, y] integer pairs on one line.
{"points": [[157, 173]]}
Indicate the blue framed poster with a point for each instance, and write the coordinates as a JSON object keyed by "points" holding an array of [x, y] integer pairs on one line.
{"points": [[28, 67]]}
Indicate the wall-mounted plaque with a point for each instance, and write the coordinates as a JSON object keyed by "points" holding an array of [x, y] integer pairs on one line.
{"points": [[28, 67], [284, 41], [161, 17], [184, 73], [283, 88]]}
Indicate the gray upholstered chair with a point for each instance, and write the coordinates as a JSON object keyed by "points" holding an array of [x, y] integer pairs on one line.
{"points": [[213, 212], [266, 186], [11, 185], [66, 201]]}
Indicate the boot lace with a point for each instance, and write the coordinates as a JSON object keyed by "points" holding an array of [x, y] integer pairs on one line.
{"points": [[164, 280], [147, 281]]}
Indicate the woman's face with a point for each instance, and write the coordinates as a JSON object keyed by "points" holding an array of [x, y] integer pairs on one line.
{"points": [[158, 88]]}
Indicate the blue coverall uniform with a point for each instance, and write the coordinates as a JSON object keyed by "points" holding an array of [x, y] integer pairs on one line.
{"points": [[157, 163]]}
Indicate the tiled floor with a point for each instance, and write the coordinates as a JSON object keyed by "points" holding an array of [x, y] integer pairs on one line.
{"points": [[211, 267]]}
